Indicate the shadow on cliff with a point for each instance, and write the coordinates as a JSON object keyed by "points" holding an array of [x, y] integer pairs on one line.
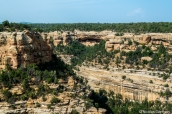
{"points": [[101, 99], [62, 69]]}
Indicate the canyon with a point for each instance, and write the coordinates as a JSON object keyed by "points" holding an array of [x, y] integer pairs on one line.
{"points": [[139, 89], [22, 48], [137, 86]]}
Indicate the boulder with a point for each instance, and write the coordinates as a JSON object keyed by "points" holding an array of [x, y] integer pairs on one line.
{"points": [[154, 48], [102, 111], [109, 49], [123, 46], [145, 39], [115, 41], [109, 45], [116, 47], [2, 40], [146, 58], [92, 109]]}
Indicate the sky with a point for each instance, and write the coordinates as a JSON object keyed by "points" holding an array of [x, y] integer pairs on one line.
{"points": [[86, 11]]}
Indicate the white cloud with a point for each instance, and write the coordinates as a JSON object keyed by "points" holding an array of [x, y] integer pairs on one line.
{"points": [[135, 12]]}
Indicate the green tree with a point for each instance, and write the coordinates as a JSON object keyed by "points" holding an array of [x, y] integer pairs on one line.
{"points": [[1, 28], [168, 93], [124, 77], [7, 94], [161, 49], [54, 100], [117, 61], [151, 81], [6, 23], [129, 42], [25, 84], [74, 112], [96, 105]]}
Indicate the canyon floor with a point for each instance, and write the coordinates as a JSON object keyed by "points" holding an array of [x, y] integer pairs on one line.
{"points": [[136, 86]]}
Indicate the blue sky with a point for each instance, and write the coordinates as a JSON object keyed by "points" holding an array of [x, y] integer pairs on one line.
{"points": [[90, 11]]}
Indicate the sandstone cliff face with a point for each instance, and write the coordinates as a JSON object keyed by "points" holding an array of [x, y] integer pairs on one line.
{"points": [[138, 89], [26, 47], [64, 38], [113, 42], [22, 48], [152, 40]]}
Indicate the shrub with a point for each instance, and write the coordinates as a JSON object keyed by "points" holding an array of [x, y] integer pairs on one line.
{"points": [[124, 77], [54, 100], [119, 34], [130, 80], [49, 106], [136, 43], [32, 95], [96, 105], [38, 104], [49, 80], [13, 107], [23, 97], [74, 112], [7, 94], [168, 93], [44, 98], [11, 100], [145, 62], [129, 42], [166, 85], [88, 105], [151, 81]]}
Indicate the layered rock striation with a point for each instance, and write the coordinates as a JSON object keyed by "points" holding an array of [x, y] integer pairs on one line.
{"points": [[21, 48], [113, 42], [129, 41]]}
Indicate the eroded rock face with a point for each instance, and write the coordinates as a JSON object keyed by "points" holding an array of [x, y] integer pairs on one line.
{"points": [[113, 42], [152, 40], [145, 39], [87, 38], [26, 47], [22, 48]]}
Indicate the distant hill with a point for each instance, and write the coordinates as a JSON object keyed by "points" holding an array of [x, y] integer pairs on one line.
{"points": [[25, 22]]}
